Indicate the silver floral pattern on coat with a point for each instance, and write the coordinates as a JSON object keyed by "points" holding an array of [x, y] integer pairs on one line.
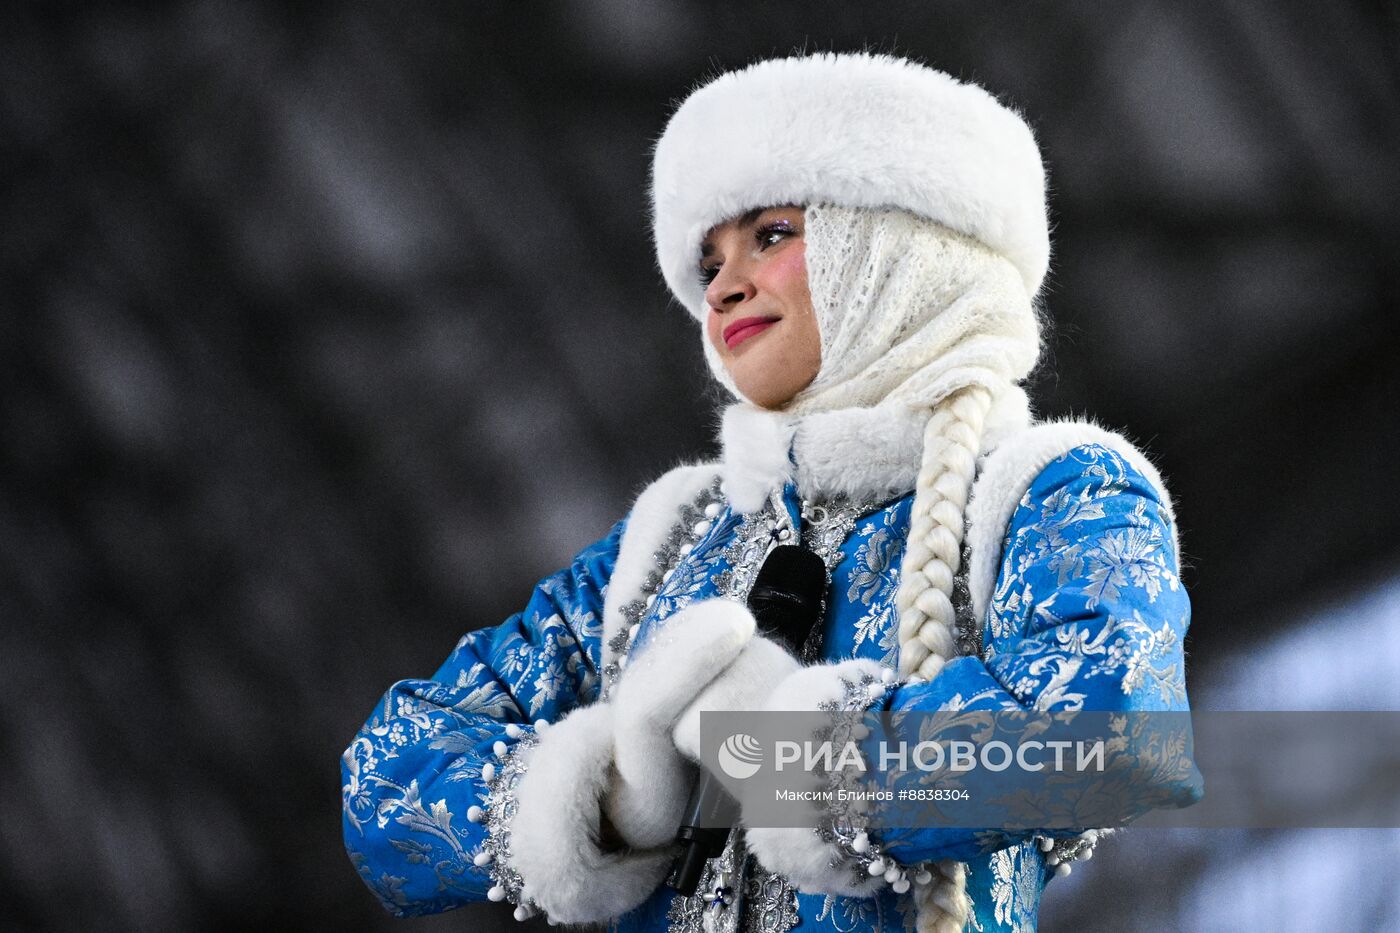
{"points": [[736, 886]]}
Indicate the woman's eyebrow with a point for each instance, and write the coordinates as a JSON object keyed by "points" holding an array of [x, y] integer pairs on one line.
{"points": [[706, 248], [750, 216]]}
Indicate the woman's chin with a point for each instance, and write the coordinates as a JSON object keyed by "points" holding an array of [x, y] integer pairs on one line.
{"points": [[770, 379], [766, 395]]}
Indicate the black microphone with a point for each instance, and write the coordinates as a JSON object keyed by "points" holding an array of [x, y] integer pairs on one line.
{"points": [[786, 600]]}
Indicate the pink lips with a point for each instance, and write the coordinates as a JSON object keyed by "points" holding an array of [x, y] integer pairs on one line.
{"points": [[744, 328]]}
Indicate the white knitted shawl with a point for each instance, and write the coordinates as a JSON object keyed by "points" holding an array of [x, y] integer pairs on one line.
{"points": [[908, 312]]}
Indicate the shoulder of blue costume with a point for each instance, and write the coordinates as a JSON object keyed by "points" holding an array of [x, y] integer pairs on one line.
{"points": [[1041, 455], [1087, 609]]}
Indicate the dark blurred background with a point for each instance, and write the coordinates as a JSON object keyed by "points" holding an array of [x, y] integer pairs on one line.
{"points": [[329, 329]]}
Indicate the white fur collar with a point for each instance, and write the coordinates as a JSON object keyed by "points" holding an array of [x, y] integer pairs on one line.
{"points": [[854, 452]]}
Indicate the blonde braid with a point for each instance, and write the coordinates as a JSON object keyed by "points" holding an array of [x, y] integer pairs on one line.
{"points": [[927, 620], [927, 623], [942, 905]]}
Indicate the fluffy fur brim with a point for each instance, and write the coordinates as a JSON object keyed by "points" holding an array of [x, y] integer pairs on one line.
{"points": [[859, 130]]}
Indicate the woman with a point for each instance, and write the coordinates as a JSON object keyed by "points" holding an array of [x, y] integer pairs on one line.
{"points": [[861, 239]]}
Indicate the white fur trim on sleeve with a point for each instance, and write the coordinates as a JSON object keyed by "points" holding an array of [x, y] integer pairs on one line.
{"points": [[554, 833], [1006, 474]]}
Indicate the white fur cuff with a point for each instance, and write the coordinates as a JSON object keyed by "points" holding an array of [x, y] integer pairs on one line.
{"points": [[554, 836], [815, 864]]}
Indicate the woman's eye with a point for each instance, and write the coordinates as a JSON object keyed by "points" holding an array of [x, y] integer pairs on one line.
{"points": [[773, 234], [707, 275]]}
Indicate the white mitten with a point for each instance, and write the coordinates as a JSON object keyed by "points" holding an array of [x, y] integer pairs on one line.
{"points": [[743, 685], [651, 779], [554, 834]]}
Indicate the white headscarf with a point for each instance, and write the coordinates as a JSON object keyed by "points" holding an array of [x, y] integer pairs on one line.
{"points": [[908, 312]]}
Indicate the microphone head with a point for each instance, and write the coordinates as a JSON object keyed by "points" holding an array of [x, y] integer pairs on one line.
{"points": [[787, 595]]}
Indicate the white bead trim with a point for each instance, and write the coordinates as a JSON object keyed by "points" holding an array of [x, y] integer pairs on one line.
{"points": [[500, 806], [853, 847], [696, 520]]}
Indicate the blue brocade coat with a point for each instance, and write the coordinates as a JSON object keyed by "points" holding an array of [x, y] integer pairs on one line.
{"points": [[1086, 612]]}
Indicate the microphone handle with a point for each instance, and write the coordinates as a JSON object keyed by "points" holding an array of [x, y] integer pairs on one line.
{"points": [[711, 806], [711, 813]]}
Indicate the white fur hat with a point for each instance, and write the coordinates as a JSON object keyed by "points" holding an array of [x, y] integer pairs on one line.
{"points": [[859, 130]]}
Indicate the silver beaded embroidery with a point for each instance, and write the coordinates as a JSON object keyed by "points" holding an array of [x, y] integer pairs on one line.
{"points": [[771, 901], [1069, 849], [736, 885], [843, 825], [720, 888], [967, 630], [500, 810], [692, 524], [758, 533], [827, 525]]}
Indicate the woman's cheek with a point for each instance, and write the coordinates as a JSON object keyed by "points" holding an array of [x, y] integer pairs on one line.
{"points": [[713, 331], [788, 276]]}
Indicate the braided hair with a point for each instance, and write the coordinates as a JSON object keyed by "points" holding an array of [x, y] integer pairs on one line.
{"points": [[927, 632]]}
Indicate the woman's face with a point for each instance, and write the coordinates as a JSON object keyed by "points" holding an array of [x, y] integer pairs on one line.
{"points": [[760, 320]]}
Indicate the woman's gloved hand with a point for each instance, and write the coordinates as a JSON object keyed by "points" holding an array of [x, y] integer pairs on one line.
{"points": [[707, 658], [556, 844], [745, 684]]}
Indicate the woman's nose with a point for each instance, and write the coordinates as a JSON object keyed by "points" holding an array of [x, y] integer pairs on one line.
{"points": [[729, 288]]}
